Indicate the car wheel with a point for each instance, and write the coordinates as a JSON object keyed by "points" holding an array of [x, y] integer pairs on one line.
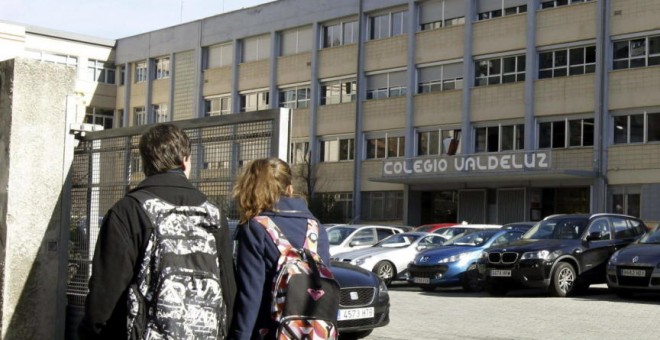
{"points": [[495, 289], [355, 335], [385, 270], [563, 281], [471, 281]]}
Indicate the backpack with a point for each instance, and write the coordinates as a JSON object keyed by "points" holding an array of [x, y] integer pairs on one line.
{"points": [[177, 293], [305, 294]]}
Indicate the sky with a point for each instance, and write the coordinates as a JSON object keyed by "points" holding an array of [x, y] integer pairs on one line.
{"points": [[113, 19]]}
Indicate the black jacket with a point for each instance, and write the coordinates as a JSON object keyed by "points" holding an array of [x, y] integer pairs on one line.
{"points": [[256, 264], [119, 251]]}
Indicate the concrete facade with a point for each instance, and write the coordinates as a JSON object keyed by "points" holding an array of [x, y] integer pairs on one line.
{"points": [[37, 103]]}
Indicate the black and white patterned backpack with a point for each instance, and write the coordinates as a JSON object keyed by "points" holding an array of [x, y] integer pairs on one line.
{"points": [[178, 292]]}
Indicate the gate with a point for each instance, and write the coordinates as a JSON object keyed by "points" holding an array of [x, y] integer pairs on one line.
{"points": [[107, 165]]}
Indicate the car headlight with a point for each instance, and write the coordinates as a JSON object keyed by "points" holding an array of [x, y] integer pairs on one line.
{"points": [[453, 258], [545, 255], [361, 261], [614, 258], [382, 289], [484, 255]]}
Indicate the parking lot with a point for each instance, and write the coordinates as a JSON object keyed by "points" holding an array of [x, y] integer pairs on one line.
{"points": [[522, 314]]}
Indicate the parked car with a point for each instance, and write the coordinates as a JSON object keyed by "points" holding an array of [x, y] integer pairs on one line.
{"points": [[522, 226], [364, 303], [563, 254], [389, 258], [455, 263], [429, 228], [635, 268], [356, 236], [461, 229]]}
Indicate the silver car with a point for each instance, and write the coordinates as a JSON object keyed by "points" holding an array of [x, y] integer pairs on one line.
{"points": [[389, 258], [345, 237]]}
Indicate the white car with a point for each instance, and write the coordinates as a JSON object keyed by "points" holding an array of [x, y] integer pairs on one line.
{"points": [[390, 257], [347, 237], [460, 229]]}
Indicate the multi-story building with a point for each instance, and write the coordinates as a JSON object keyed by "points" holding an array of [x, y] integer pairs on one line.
{"points": [[430, 111]]}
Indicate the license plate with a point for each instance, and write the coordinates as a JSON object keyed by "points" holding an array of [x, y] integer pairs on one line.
{"points": [[500, 272], [633, 272], [425, 280], [355, 313]]}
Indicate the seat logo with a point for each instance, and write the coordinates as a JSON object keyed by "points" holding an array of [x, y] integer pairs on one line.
{"points": [[354, 296]]}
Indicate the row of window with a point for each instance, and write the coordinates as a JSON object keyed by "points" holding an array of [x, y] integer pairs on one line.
{"points": [[634, 128], [160, 114]]}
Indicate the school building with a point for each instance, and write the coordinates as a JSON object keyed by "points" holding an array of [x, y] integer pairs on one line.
{"points": [[428, 111]]}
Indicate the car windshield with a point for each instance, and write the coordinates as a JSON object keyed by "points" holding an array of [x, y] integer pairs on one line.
{"points": [[449, 232], [336, 235], [566, 228], [398, 241], [652, 237], [475, 239]]}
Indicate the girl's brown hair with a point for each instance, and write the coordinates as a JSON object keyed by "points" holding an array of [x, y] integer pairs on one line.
{"points": [[260, 185]]}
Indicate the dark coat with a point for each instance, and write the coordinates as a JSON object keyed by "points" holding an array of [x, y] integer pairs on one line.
{"points": [[256, 264], [119, 251]]}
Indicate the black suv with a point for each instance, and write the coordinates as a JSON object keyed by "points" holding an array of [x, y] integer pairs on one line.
{"points": [[563, 253]]}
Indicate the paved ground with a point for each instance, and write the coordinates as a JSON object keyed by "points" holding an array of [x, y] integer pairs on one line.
{"points": [[524, 314]]}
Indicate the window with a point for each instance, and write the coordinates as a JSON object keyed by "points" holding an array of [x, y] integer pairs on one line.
{"points": [[637, 128], [441, 13], [161, 113], [338, 91], [295, 97], [499, 138], [501, 11], [216, 155], [438, 142], [566, 133], [254, 101], [54, 58], [220, 55], [384, 85], [122, 75], [382, 205], [101, 72], [162, 68], [559, 3], [99, 116], [297, 40], [388, 25], [567, 62], [140, 114], [626, 200], [500, 70], [337, 207], [141, 72], [342, 33], [638, 52], [217, 106], [387, 146], [337, 149], [440, 78], [299, 153], [256, 48]]}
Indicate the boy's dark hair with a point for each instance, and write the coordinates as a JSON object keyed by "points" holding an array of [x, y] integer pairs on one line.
{"points": [[163, 148]]}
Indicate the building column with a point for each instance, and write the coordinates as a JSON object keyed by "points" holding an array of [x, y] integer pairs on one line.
{"points": [[274, 53], [531, 69], [413, 19], [235, 105], [468, 78], [314, 90], [360, 81]]}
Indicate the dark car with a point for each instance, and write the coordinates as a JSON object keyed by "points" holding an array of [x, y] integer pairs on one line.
{"points": [[563, 254], [636, 268], [364, 303], [455, 262]]}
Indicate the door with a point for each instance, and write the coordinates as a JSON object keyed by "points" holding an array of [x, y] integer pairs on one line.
{"points": [[472, 206], [510, 205]]}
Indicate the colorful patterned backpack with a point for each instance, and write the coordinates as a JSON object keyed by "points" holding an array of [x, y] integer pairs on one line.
{"points": [[305, 293]]}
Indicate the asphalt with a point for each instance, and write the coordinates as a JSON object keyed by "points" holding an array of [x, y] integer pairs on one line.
{"points": [[522, 314]]}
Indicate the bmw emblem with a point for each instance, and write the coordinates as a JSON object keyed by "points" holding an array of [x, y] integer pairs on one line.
{"points": [[635, 259]]}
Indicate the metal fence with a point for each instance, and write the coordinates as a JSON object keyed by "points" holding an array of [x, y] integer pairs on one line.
{"points": [[107, 165]]}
